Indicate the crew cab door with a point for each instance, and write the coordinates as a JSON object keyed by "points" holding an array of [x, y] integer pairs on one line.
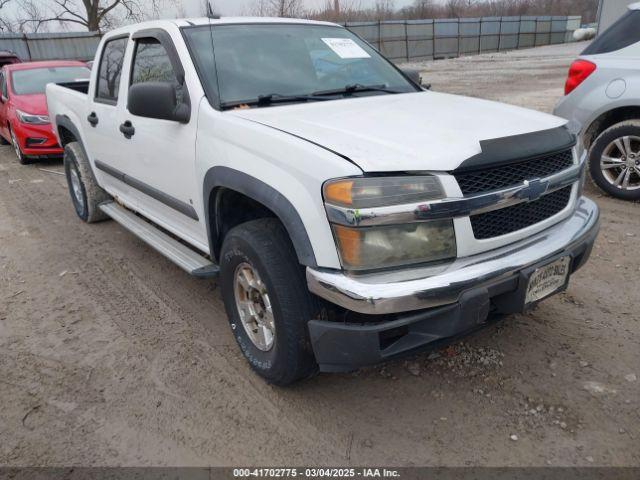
{"points": [[103, 140], [161, 153]]}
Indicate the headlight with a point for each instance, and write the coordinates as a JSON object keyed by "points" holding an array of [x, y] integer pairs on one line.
{"points": [[381, 191], [387, 243], [32, 119], [368, 248]]}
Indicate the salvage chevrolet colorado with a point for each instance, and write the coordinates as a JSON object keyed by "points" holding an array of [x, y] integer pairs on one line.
{"points": [[349, 215]]}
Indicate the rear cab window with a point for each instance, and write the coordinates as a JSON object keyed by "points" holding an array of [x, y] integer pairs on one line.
{"points": [[110, 70], [624, 32]]}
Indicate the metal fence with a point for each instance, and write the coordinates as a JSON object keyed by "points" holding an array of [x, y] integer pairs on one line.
{"points": [[51, 46], [406, 40], [398, 40]]}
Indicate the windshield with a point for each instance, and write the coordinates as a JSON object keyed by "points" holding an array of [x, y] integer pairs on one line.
{"points": [[34, 80], [252, 61]]}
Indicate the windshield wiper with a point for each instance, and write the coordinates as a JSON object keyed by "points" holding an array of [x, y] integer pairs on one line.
{"points": [[264, 100], [356, 87]]}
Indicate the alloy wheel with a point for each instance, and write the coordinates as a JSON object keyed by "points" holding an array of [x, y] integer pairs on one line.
{"points": [[620, 162], [76, 186], [16, 146], [254, 306]]}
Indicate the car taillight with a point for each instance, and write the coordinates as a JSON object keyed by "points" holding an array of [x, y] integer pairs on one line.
{"points": [[578, 72]]}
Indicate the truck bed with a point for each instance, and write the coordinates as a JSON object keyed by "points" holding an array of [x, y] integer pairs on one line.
{"points": [[81, 86], [68, 100]]}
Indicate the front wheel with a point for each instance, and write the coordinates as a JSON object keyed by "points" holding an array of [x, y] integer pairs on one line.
{"points": [[16, 147], [267, 301], [614, 160]]}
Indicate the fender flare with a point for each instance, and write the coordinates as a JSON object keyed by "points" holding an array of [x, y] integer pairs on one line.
{"points": [[65, 121], [259, 191]]}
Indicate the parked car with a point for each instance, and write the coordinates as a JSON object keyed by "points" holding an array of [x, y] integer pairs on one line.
{"points": [[24, 121], [347, 223], [602, 102], [7, 57]]}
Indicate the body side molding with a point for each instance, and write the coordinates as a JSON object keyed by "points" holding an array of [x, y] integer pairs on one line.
{"points": [[153, 192]]}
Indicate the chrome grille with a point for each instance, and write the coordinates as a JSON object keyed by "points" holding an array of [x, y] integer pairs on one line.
{"points": [[510, 219], [513, 174]]}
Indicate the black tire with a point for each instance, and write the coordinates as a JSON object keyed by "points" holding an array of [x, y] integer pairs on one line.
{"points": [[89, 195], [22, 158], [265, 245], [617, 131], [4, 141]]}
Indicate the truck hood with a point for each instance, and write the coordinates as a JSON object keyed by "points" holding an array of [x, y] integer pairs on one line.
{"points": [[403, 132]]}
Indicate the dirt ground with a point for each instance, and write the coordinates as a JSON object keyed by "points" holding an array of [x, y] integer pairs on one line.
{"points": [[111, 355]]}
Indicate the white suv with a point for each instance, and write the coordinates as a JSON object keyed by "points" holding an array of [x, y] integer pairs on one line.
{"points": [[350, 216]]}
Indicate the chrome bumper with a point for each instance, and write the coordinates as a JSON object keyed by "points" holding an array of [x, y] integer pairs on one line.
{"points": [[408, 290]]}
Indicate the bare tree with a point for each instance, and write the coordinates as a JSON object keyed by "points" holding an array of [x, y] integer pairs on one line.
{"points": [[94, 15], [278, 8], [385, 9], [5, 24]]}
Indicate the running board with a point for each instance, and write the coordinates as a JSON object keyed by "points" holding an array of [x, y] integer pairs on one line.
{"points": [[187, 259]]}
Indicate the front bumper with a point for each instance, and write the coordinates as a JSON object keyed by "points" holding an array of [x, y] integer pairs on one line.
{"points": [[451, 299], [37, 141]]}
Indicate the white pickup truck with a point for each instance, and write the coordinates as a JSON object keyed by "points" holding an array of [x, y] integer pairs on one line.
{"points": [[350, 215]]}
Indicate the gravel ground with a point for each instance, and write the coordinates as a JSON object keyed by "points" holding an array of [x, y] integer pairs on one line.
{"points": [[110, 355]]}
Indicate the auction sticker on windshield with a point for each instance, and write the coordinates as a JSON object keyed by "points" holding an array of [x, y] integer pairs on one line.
{"points": [[547, 279], [346, 48]]}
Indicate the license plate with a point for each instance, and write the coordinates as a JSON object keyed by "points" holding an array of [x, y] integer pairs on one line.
{"points": [[547, 279]]}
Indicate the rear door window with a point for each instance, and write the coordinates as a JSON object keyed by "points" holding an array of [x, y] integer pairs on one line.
{"points": [[625, 32], [110, 70]]}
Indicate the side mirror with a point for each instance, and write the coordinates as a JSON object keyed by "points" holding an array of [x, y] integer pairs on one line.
{"points": [[157, 100], [415, 76]]}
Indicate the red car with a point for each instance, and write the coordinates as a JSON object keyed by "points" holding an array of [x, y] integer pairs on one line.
{"points": [[24, 121]]}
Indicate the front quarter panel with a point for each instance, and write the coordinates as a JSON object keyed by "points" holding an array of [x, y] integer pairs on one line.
{"points": [[293, 167]]}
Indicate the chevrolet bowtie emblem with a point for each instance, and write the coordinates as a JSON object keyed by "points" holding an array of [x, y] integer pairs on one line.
{"points": [[533, 189]]}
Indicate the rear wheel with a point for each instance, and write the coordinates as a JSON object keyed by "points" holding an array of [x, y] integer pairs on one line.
{"points": [[16, 147], [614, 160], [267, 301], [85, 192]]}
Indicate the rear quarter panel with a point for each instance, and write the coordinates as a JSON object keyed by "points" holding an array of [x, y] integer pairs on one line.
{"points": [[63, 102], [615, 83]]}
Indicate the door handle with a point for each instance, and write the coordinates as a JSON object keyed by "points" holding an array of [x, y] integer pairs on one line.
{"points": [[127, 129], [93, 119]]}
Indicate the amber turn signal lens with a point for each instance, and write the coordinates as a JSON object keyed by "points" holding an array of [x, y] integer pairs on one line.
{"points": [[339, 192], [349, 241]]}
